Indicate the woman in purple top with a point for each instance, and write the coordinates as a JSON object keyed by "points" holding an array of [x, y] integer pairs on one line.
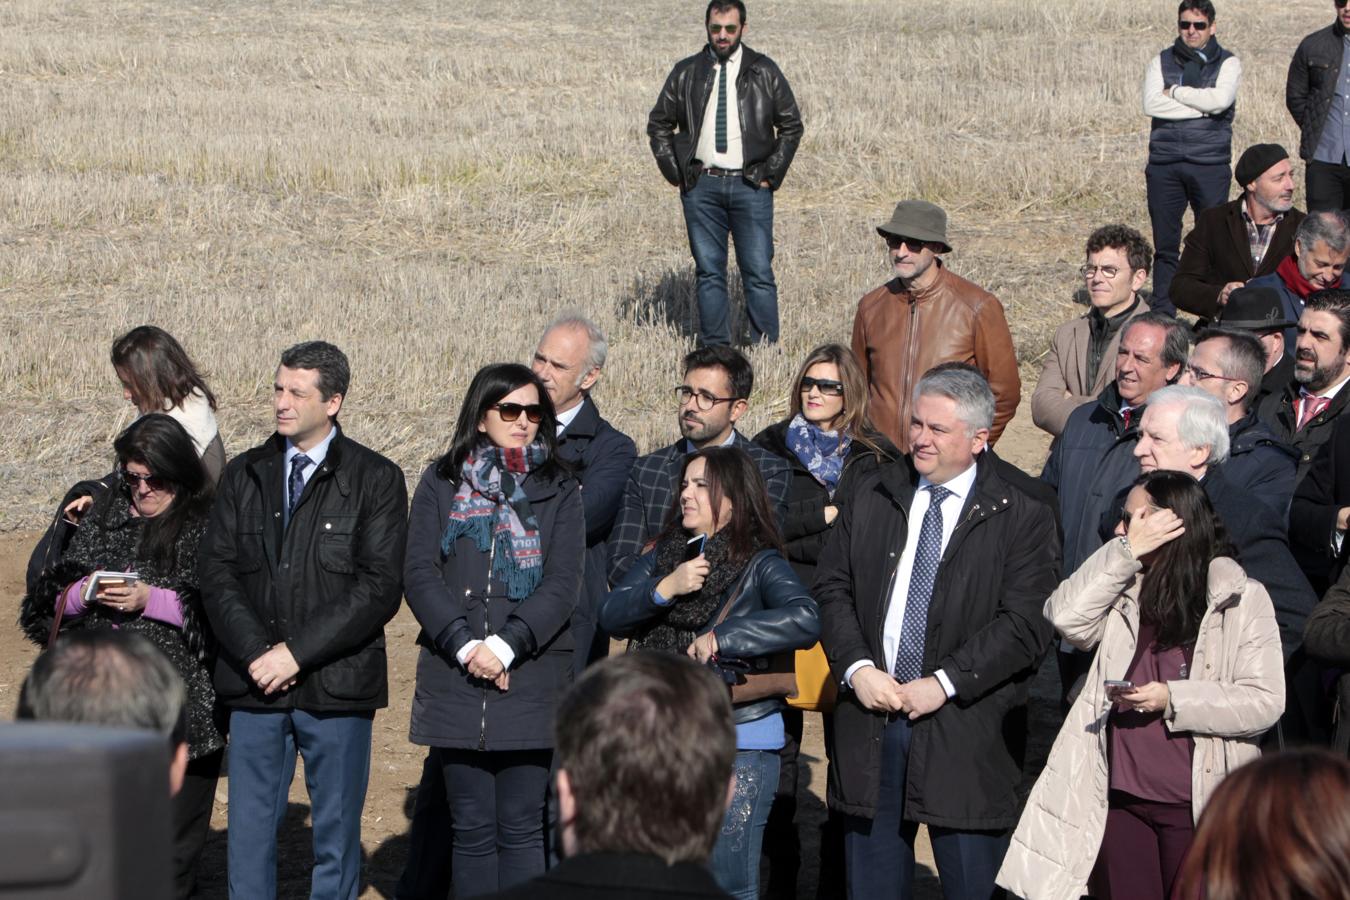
{"points": [[1188, 674], [150, 522]]}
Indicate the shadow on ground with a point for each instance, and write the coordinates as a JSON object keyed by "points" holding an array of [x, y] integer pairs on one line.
{"points": [[669, 298]]}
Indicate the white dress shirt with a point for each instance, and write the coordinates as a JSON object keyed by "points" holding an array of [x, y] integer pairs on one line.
{"points": [[960, 487], [706, 151], [565, 418]]}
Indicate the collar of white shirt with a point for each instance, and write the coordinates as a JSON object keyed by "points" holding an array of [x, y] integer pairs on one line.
{"points": [[317, 454], [565, 418], [960, 485]]}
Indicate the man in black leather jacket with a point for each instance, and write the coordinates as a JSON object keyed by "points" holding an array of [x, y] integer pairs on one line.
{"points": [[1317, 95], [726, 143], [300, 570]]}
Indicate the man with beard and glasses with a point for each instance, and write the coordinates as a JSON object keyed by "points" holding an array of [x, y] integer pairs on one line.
{"points": [[1321, 249], [713, 396], [1190, 91], [1317, 95], [1243, 239], [724, 130], [925, 316], [1303, 415]]}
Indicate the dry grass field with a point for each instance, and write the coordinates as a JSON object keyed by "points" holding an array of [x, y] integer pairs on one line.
{"points": [[426, 184]]}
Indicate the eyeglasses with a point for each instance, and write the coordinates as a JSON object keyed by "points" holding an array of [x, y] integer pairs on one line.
{"points": [[1340, 4], [511, 411], [702, 399], [729, 29], [1201, 26], [1202, 375], [151, 482], [895, 242], [1108, 272], [826, 386]]}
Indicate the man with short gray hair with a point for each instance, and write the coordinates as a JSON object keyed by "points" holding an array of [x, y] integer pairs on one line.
{"points": [[1317, 263], [931, 586], [1229, 366], [926, 316]]}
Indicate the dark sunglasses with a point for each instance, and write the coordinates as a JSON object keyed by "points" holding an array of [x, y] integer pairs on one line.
{"points": [[511, 411], [151, 482], [1201, 26], [914, 244], [827, 387], [729, 29]]}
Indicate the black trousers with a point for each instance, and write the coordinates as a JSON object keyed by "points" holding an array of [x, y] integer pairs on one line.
{"points": [[192, 820], [1328, 186]]}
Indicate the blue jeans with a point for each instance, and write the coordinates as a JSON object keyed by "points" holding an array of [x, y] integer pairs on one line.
{"points": [[879, 852], [1171, 188], [718, 205], [497, 816], [336, 750], [735, 856]]}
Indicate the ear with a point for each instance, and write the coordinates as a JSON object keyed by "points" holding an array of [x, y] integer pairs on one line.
{"points": [[332, 405], [1173, 373], [979, 440], [178, 768], [738, 408], [1137, 280], [590, 378], [567, 801], [1237, 390]]}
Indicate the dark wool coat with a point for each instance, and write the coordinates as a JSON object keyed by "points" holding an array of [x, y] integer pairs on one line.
{"points": [[454, 602], [985, 630], [804, 527], [1218, 251], [108, 539]]}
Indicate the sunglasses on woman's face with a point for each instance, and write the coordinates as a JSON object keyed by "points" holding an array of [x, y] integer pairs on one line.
{"points": [[511, 411], [827, 387], [151, 482]]}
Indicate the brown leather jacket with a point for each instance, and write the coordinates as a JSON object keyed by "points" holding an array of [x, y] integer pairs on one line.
{"points": [[898, 335]]}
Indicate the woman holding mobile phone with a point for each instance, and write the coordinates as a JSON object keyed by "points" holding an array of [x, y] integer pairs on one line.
{"points": [[151, 523], [737, 602], [492, 573], [1169, 610]]}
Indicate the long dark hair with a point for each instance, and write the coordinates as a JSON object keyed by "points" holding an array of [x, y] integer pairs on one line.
{"points": [[1174, 593], [489, 386], [163, 446], [157, 369], [731, 473]]}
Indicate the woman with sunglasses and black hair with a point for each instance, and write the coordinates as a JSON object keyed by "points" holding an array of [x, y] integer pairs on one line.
{"points": [[829, 444], [151, 523], [492, 572], [716, 587], [1188, 674]]}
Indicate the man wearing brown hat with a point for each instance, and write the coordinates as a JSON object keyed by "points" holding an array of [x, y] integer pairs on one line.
{"points": [[1242, 239], [926, 316]]}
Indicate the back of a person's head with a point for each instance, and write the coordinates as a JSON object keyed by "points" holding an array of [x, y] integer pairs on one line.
{"points": [[647, 744], [113, 678], [1276, 829]]}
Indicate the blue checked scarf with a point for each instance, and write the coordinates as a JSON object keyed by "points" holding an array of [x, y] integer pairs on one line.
{"points": [[491, 505], [822, 452]]}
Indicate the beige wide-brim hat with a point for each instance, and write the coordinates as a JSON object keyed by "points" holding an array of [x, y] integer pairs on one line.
{"points": [[920, 220]]}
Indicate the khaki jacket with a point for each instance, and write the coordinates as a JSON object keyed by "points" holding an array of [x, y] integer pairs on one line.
{"points": [[1235, 692], [898, 335], [1063, 386]]}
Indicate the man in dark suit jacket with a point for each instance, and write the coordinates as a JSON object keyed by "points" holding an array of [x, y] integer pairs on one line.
{"points": [[1241, 239], [569, 360], [715, 392], [645, 753]]}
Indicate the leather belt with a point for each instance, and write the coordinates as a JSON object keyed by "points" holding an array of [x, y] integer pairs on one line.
{"points": [[723, 173]]}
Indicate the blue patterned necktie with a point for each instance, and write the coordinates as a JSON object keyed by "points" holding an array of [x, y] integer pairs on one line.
{"points": [[296, 484], [914, 626], [721, 133]]}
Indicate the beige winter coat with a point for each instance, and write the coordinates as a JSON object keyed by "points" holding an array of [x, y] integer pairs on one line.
{"points": [[1235, 692]]}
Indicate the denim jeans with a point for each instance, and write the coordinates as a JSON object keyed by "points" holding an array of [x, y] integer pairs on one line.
{"points": [[497, 817], [718, 205], [1171, 188], [735, 857]]}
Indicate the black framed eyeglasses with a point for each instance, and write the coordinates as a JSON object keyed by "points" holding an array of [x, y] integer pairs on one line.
{"points": [[702, 399], [511, 411], [824, 385], [151, 482], [1201, 26]]}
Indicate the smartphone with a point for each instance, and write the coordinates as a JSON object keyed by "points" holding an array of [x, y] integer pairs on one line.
{"points": [[693, 548], [1115, 687]]}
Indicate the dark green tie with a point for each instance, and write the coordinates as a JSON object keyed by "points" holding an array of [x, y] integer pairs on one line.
{"points": [[722, 106]]}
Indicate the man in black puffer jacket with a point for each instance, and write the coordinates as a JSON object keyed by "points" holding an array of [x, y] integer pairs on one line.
{"points": [[724, 131], [1315, 93]]}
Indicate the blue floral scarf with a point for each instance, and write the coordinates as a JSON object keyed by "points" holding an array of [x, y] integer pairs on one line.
{"points": [[490, 506], [822, 452]]}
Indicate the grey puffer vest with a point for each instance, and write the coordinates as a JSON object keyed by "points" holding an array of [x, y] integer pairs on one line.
{"points": [[1207, 140]]}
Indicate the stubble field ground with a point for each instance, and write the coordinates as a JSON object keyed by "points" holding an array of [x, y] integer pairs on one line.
{"points": [[427, 184]]}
